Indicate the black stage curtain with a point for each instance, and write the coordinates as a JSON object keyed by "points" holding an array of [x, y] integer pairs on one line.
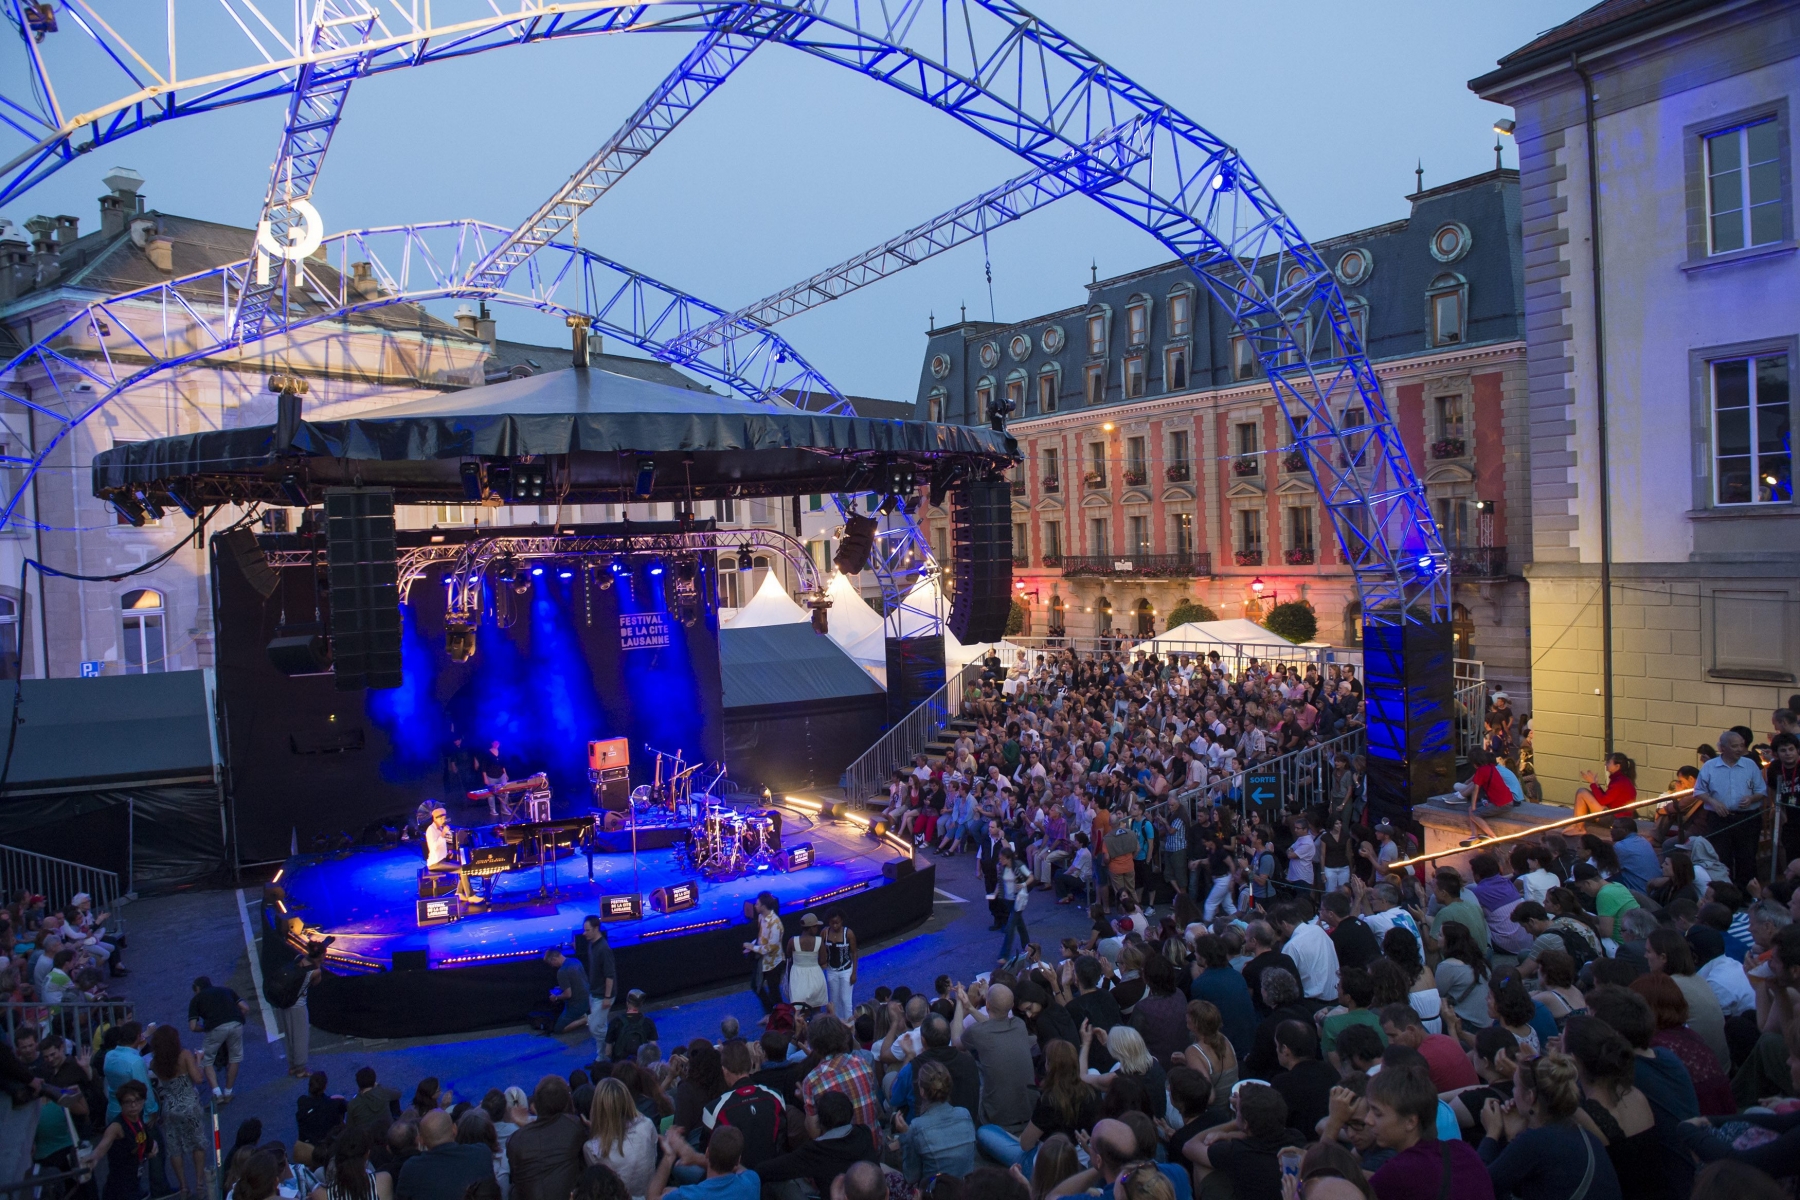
{"points": [[154, 838], [787, 747], [432, 1003]]}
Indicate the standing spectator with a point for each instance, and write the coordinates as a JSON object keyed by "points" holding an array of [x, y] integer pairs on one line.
{"points": [[1307, 944], [545, 1156], [840, 965], [1015, 888], [765, 973], [1731, 787], [602, 982], [126, 1145], [1001, 1044], [174, 1075], [285, 989], [447, 1168], [218, 1013], [629, 1032], [123, 1064]]}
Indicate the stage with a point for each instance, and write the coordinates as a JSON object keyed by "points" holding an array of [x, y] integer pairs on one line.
{"points": [[389, 977]]}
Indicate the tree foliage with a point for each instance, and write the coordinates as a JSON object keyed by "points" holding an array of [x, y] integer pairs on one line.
{"points": [[1293, 620], [1190, 610], [1015, 620]]}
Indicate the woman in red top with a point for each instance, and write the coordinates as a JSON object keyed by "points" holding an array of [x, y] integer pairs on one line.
{"points": [[1619, 789]]}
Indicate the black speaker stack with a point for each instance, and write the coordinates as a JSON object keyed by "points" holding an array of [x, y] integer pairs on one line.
{"points": [[365, 592], [981, 560]]}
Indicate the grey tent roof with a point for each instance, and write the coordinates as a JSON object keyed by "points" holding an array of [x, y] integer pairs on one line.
{"points": [[784, 664], [604, 425], [111, 730]]}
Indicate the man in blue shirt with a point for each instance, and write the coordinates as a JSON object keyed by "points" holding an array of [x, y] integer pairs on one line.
{"points": [[1732, 788], [1638, 864], [725, 1179]]}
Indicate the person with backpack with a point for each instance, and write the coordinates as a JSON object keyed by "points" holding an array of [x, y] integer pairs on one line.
{"points": [[1548, 934], [758, 1112], [285, 989], [625, 1034]]}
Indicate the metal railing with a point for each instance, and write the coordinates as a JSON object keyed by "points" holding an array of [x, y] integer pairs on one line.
{"points": [[1302, 778], [1477, 562], [1143, 565], [870, 773], [1471, 715], [79, 1020], [56, 879]]}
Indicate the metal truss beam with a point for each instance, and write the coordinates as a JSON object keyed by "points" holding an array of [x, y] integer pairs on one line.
{"points": [[314, 111], [1113, 151], [1002, 72], [699, 74]]}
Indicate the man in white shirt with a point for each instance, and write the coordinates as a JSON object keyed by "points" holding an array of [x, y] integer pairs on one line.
{"points": [[1385, 912], [1310, 946], [1300, 859], [440, 851], [1723, 975]]}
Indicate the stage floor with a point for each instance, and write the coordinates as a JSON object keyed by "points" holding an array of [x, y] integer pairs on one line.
{"points": [[366, 898]]}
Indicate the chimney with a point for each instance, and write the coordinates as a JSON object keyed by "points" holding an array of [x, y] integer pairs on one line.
{"points": [[67, 230], [162, 253], [578, 337], [47, 266], [16, 275], [465, 319], [121, 202], [363, 281], [595, 345], [484, 327]]}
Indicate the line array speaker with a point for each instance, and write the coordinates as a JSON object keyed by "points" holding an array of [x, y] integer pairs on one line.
{"points": [[981, 560], [242, 546], [365, 592]]}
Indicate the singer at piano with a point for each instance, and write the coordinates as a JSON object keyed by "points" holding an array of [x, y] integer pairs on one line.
{"points": [[440, 853]]}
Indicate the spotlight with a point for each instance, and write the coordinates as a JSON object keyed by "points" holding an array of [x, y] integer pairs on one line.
{"points": [[856, 545], [296, 494], [1426, 565], [151, 507], [820, 622], [1505, 125], [565, 572], [536, 571], [188, 508], [129, 508], [745, 563], [656, 566], [888, 504], [459, 640], [616, 566], [878, 826], [509, 571], [646, 476]]}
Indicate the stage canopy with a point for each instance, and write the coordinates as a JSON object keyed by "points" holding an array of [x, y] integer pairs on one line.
{"points": [[770, 606], [1198, 637], [786, 664], [599, 431]]}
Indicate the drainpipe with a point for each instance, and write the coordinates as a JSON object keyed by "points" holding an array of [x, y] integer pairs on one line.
{"points": [[1604, 463]]}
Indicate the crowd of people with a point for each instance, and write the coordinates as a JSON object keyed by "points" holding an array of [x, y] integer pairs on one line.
{"points": [[1263, 1006]]}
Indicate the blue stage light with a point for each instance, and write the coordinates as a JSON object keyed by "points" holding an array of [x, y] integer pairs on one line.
{"points": [[1426, 565], [537, 570], [616, 566], [566, 573], [656, 566]]}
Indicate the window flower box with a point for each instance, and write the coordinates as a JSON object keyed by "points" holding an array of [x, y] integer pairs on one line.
{"points": [[1300, 556], [1095, 479], [1450, 447], [1178, 472], [1246, 466], [1052, 484], [1135, 476], [1293, 462], [1248, 558], [1052, 560]]}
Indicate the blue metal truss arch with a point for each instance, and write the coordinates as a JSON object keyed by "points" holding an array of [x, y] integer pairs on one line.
{"points": [[1004, 73]]}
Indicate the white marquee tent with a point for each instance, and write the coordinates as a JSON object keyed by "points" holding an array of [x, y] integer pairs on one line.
{"points": [[770, 606]]}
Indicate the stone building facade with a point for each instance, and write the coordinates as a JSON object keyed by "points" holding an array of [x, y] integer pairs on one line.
{"points": [[1154, 465], [1674, 339]]}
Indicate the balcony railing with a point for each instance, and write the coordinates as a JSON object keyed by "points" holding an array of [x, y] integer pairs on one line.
{"points": [[1299, 556], [1176, 472], [1248, 558], [1449, 447], [1143, 565], [1246, 466], [1477, 562]]}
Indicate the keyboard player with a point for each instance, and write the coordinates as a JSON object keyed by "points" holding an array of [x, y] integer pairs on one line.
{"points": [[441, 856]]}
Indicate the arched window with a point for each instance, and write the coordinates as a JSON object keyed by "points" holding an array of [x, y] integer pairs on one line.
{"points": [[1353, 623], [1462, 631], [984, 398], [1146, 619], [143, 632], [1049, 388], [1058, 615], [1448, 309], [1103, 615], [1016, 384], [935, 404], [9, 638]]}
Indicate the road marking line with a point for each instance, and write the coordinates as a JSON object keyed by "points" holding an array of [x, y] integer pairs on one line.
{"points": [[952, 897], [270, 1026]]}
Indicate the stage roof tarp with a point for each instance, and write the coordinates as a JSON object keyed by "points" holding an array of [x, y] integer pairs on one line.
{"points": [[786, 664], [111, 730], [704, 445]]}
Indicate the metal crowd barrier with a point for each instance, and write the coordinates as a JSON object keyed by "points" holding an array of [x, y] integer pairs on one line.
{"points": [[57, 880], [81, 1021]]}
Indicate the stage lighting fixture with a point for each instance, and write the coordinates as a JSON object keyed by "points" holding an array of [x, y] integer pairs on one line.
{"points": [[877, 827], [646, 476], [151, 507], [820, 623], [656, 566], [565, 572], [130, 509], [296, 494], [459, 640], [537, 570], [888, 504], [746, 563], [856, 545], [188, 508]]}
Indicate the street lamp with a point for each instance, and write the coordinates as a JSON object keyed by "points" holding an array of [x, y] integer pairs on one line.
{"points": [[1502, 128]]}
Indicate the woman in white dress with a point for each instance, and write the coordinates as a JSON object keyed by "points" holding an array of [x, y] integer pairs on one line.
{"points": [[806, 978]]}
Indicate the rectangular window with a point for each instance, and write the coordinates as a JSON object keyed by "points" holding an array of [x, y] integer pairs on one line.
{"points": [[1097, 464], [1047, 393], [1178, 448], [1175, 371], [938, 545], [1743, 187], [1452, 513], [1137, 323], [1134, 455], [447, 514], [1021, 548], [1243, 359], [1181, 314], [1449, 416], [724, 511], [1096, 335], [1096, 383], [1015, 392], [1249, 438], [1051, 466], [1447, 318], [1052, 539], [1138, 530], [871, 502], [1097, 537], [1752, 454], [815, 502], [1182, 531], [144, 644], [1300, 529], [1249, 530], [729, 595], [1134, 377], [984, 402]]}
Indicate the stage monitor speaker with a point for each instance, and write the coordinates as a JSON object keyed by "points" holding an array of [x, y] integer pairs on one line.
{"points": [[795, 858], [411, 960], [897, 868], [300, 649], [615, 792], [676, 897], [981, 552], [243, 548], [365, 593], [621, 908]]}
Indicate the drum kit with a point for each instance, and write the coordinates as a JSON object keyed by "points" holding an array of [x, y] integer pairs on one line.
{"points": [[724, 842]]}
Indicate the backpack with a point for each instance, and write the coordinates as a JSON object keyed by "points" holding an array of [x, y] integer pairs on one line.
{"points": [[634, 1031], [1576, 945], [755, 1112], [282, 986]]}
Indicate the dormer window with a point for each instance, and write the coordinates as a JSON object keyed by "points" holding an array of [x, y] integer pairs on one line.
{"points": [[1448, 301], [1096, 335], [1181, 314], [1137, 322]]}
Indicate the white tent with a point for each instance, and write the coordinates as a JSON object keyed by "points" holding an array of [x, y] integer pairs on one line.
{"points": [[1198, 637], [770, 606], [851, 618]]}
